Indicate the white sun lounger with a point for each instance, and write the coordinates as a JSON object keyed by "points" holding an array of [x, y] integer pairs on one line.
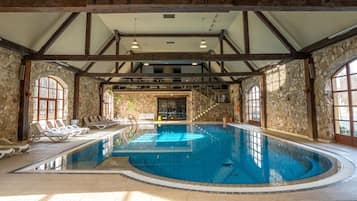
{"points": [[94, 124], [72, 132], [53, 135], [6, 152], [60, 124], [7, 144]]}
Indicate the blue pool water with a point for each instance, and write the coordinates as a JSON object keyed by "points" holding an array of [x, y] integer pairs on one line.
{"points": [[204, 153]]}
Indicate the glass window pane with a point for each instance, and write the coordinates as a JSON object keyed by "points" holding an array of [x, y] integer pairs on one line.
{"points": [[342, 72], [355, 129], [34, 117], [354, 97], [43, 105], [52, 93], [354, 111], [340, 98], [52, 83], [342, 127], [60, 94], [339, 83], [59, 114], [35, 92], [42, 114], [59, 104], [353, 81], [43, 92], [353, 67], [51, 105], [44, 82], [342, 113], [51, 114], [35, 104]]}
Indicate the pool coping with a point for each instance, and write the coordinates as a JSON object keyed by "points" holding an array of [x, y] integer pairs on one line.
{"points": [[345, 169]]}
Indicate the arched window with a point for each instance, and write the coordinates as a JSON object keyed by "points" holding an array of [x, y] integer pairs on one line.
{"points": [[344, 89], [108, 105], [48, 99], [253, 105]]}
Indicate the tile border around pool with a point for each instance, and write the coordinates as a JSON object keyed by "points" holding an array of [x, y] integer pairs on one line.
{"points": [[345, 170]]}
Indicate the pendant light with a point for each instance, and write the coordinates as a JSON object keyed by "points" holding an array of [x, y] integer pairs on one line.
{"points": [[135, 44], [203, 43]]}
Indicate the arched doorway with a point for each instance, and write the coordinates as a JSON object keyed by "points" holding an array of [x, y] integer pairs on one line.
{"points": [[253, 105], [344, 89]]}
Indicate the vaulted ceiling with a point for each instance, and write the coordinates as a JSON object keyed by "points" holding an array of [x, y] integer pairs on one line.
{"points": [[301, 29]]}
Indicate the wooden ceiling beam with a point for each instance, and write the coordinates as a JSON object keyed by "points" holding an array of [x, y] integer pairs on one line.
{"points": [[167, 57], [330, 41], [101, 52], [250, 66], [15, 47], [88, 33], [171, 35], [58, 33], [167, 75], [246, 32], [109, 6], [276, 32], [169, 83]]}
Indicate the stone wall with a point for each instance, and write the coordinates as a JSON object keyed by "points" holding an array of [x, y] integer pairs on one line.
{"points": [[136, 103], [286, 99], [235, 100], [327, 62], [10, 63], [88, 97]]}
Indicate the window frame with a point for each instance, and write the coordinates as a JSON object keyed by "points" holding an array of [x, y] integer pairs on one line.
{"points": [[345, 138], [254, 97], [37, 99]]}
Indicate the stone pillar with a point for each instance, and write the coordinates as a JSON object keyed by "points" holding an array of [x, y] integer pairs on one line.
{"points": [[263, 100]]}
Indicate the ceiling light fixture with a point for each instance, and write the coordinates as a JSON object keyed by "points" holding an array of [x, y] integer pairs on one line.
{"points": [[194, 64], [146, 64], [203, 43], [135, 44]]}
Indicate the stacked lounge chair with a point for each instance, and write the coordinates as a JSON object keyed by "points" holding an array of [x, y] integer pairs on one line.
{"points": [[99, 122], [54, 135], [72, 132], [60, 124]]}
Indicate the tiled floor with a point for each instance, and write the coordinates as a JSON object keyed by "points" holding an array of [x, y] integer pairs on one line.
{"points": [[68, 187]]}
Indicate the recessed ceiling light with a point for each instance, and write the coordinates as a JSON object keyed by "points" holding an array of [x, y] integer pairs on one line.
{"points": [[146, 64], [194, 64]]}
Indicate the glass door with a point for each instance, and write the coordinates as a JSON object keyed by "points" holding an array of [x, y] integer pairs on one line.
{"points": [[172, 108], [344, 87]]}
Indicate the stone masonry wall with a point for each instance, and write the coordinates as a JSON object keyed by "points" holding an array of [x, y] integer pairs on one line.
{"points": [[235, 99], [10, 63], [327, 62], [88, 97], [136, 103], [286, 99]]}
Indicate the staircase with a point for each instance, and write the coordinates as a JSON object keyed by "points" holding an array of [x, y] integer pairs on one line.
{"points": [[199, 115]]}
